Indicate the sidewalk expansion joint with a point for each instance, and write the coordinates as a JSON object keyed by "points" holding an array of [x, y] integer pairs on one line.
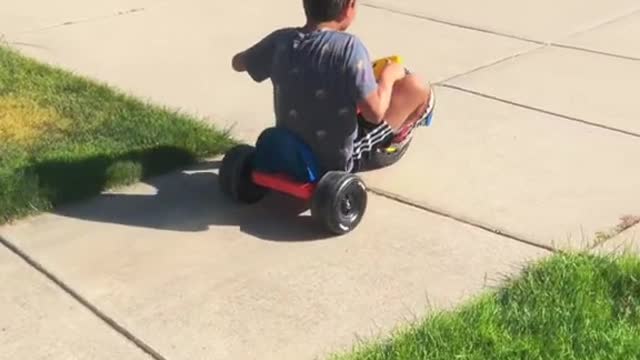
{"points": [[596, 52], [451, 23], [461, 219], [532, 108], [488, 65], [555, 44], [84, 302]]}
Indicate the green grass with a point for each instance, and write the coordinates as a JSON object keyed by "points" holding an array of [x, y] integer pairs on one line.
{"points": [[64, 137], [569, 306]]}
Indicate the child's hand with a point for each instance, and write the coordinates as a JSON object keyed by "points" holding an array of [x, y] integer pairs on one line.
{"points": [[392, 71]]}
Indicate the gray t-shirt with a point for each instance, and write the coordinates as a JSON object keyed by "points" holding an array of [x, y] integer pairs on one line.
{"points": [[318, 78]]}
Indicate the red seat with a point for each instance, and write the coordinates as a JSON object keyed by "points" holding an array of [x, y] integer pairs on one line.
{"points": [[284, 184]]}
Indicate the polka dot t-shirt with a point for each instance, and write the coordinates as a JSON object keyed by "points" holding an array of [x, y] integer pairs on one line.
{"points": [[318, 78]]}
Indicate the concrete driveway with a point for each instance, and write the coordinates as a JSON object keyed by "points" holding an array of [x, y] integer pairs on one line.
{"points": [[534, 147]]}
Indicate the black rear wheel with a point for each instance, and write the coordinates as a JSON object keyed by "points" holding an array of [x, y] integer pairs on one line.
{"points": [[235, 175]]}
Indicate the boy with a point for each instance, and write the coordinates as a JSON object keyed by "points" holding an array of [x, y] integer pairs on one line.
{"points": [[325, 90]]}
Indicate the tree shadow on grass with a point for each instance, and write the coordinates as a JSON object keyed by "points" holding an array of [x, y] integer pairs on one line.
{"points": [[190, 201], [66, 180]]}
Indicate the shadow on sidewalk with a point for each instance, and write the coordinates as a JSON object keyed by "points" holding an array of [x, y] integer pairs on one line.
{"points": [[190, 201]]}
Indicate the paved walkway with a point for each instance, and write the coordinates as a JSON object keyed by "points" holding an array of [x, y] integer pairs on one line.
{"points": [[534, 146]]}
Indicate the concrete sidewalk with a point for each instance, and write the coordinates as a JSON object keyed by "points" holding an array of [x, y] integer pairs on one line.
{"points": [[534, 146], [40, 321], [197, 277]]}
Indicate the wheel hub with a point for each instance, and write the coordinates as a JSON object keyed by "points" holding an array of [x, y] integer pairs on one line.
{"points": [[346, 206]]}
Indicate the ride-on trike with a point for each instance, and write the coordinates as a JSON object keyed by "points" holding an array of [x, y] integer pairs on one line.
{"points": [[338, 199]]}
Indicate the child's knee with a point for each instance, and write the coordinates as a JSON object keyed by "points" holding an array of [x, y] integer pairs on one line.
{"points": [[420, 85], [414, 86]]}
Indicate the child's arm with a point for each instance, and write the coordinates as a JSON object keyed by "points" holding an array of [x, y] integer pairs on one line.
{"points": [[373, 97], [257, 60], [375, 105]]}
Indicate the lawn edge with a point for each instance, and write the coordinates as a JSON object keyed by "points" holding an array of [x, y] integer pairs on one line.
{"points": [[223, 134], [362, 346]]}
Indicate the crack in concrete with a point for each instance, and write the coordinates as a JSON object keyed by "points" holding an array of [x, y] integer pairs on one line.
{"points": [[532, 108], [461, 219], [82, 21], [605, 22], [140, 344], [25, 44], [627, 223]]}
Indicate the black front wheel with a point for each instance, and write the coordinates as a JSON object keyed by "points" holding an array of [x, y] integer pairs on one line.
{"points": [[235, 175], [339, 202]]}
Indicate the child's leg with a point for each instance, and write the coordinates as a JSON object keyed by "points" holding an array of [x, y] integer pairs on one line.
{"points": [[409, 101]]}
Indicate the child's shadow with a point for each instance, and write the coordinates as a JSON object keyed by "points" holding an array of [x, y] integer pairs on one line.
{"points": [[191, 201]]}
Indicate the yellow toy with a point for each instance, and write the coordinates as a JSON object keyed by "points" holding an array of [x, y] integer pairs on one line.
{"points": [[379, 64]]}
